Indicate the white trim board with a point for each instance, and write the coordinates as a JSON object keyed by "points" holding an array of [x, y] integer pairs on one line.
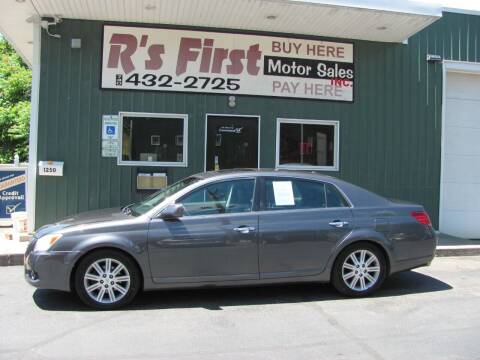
{"points": [[33, 136], [465, 67], [461, 11]]}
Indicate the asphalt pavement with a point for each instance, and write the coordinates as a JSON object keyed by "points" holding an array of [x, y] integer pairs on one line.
{"points": [[428, 313]]}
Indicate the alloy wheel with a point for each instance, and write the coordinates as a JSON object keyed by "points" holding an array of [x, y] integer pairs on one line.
{"points": [[106, 281], [361, 270]]}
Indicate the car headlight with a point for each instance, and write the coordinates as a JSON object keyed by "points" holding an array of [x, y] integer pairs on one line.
{"points": [[46, 242]]}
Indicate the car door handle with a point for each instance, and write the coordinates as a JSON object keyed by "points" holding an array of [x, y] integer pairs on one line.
{"points": [[244, 229], [338, 223]]}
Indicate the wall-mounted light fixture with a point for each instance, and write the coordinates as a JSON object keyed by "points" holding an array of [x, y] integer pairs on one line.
{"points": [[434, 58], [51, 21]]}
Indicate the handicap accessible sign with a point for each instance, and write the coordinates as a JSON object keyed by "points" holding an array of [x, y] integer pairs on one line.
{"points": [[111, 130], [12, 192], [110, 143]]}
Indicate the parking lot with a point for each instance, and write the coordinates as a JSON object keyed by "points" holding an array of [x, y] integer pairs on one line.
{"points": [[428, 313]]}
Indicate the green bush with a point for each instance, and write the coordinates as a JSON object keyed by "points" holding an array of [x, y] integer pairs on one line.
{"points": [[15, 85]]}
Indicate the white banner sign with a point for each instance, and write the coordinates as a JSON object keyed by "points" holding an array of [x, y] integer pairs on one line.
{"points": [[138, 58]]}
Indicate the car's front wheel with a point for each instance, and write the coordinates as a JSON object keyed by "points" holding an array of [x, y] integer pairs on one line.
{"points": [[359, 270], [107, 279]]}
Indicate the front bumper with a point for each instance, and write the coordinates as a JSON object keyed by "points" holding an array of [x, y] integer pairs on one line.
{"points": [[49, 269]]}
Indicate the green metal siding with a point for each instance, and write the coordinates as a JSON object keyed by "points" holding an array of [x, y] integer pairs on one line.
{"points": [[389, 137]]}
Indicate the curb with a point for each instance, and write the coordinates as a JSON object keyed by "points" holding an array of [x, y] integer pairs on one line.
{"points": [[458, 250], [11, 259]]}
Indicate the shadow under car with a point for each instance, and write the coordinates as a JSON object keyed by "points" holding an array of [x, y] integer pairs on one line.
{"points": [[404, 283]]}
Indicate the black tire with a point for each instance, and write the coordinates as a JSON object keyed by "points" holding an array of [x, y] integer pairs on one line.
{"points": [[342, 286], [117, 257]]}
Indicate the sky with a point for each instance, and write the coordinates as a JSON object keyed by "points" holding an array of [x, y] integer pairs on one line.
{"points": [[458, 4]]}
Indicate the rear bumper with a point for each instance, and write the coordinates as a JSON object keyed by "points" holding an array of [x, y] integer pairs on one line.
{"points": [[425, 248], [49, 270], [411, 264]]}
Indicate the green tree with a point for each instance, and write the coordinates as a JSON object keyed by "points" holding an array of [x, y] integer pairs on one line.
{"points": [[15, 85]]}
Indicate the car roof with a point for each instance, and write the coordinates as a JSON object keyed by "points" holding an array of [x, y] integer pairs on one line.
{"points": [[265, 172]]}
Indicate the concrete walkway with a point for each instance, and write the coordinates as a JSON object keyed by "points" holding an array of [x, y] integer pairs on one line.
{"points": [[11, 251]]}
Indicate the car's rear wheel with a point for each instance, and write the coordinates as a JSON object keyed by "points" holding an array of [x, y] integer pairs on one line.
{"points": [[107, 279], [359, 270]]}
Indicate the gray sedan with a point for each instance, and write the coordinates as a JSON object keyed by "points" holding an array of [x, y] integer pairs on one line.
{"points": [[238, 227]]}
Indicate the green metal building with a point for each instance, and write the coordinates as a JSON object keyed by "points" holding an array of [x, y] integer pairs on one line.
{"points": [[399, 125]]}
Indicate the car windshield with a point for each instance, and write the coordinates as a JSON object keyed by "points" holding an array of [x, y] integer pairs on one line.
{"points": [[156, 198]]}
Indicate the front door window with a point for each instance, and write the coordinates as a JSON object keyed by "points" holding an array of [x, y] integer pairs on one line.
{"points": [[221, 198]]}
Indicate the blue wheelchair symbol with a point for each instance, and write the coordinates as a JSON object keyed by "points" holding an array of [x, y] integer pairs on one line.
{"points": [[110, 130]]}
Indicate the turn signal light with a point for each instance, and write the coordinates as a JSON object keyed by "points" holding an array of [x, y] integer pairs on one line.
{"points": [[422, 217]]}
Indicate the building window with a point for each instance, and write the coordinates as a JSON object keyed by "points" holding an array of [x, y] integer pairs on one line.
{"points": [[307, 144], [153, 139]]}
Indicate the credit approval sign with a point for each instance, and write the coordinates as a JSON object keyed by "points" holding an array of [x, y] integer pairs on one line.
{"points": [[142, 58], [12, 191]]}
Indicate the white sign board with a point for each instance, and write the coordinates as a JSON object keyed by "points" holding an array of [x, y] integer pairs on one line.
{"points": [[110, 137], [140, 58], [50, 168], [283, 193]]}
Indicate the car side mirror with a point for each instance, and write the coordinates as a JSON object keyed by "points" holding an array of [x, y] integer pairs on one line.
{"points": [[173, 211]]}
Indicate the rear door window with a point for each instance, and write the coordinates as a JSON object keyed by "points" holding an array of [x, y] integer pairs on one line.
{"points": [[334, 198], [286, 193]]}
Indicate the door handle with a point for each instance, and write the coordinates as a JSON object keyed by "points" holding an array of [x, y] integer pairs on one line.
{"points": [[338, 223], [244, 229]]}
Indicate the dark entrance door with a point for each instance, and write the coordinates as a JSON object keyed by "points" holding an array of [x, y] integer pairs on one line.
{"points": [[232, 142]]}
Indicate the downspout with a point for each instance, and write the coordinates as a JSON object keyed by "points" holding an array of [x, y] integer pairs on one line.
{"points": [[33, 136]]}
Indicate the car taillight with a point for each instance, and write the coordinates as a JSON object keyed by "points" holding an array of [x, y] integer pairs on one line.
{"points": [[422, 217]]}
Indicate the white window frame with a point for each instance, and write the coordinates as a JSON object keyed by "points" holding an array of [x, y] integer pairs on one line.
{"points": [[336, 144], [184, 163]]}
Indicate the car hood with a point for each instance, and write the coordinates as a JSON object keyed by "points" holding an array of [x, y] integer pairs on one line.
{"points": [[89, 217]]}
